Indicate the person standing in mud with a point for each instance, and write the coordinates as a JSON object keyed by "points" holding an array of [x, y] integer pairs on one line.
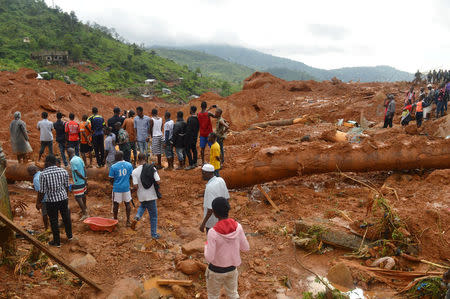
{"points": [[73, 134], [191, 138], [19, 138], [390, 111], [114, 119], [204, 120], [128, 125], [119, 175], [122, 140], [79, 187], [60, 132], [54, 182], [97, 123], [85, 140], [216, 187], [225, 241], [142, 127], [222, 128], [410, 97], [168, 133], [45, 128], [156, 129], [179, 139]]}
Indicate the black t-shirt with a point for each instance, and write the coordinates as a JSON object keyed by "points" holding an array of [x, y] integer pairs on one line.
{"points": [[193, 126], [60, 129], [112, 121]]}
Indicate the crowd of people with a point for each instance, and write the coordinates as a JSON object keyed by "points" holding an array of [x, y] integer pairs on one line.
{"points": [[419, 107], [437, 77], [122, 145]]}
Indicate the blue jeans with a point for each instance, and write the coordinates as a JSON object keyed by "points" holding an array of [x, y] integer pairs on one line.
{"points": [[440, 109], [150, 206], [142, 147], [62, 150]]}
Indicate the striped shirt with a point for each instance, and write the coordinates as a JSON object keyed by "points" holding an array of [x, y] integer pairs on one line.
{"points": [[54, 182]]}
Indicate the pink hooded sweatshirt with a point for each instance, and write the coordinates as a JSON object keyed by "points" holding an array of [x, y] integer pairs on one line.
{"points": [[225, 241]]}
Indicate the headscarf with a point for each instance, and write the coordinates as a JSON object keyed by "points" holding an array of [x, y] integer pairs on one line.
{"points": [[17, 115]]}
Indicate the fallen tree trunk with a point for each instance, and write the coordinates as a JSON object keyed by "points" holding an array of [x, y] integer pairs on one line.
{"points": [[18, 172], [282, 122], [284, 162]]}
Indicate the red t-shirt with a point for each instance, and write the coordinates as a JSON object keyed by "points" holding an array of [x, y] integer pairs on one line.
{"points": [[205, 124], [73, 129]]}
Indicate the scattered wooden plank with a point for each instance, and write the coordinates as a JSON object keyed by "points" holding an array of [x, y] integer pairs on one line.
{"points": [[47, 251], [165, 282], [269, 199]]}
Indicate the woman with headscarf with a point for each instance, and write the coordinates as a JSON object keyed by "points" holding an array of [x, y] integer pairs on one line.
{"points": [[19, 138]]}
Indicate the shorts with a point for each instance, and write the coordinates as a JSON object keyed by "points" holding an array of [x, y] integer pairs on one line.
{"points": [[169, 151], [79, 190], [157, 145], [44, 209], [85, 148], [204, 141], [142, 147], [122, 196]]}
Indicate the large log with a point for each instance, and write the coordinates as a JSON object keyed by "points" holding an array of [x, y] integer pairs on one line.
{"points": [[280, 163]]}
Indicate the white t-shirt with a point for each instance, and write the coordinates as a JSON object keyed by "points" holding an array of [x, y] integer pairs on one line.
{"points": [[168, 127], [45, 127], [142, 193], [216, 187], [157, 122]]}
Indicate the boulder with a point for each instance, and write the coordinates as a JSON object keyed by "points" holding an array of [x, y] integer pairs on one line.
{"points": [[84, 261], [198, 245], [340, 274], [126, 288], [191, 266], [179, 292]]}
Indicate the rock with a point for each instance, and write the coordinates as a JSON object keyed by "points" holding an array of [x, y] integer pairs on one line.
{"points": [[84, 261], [260, 270], [340, 274], [179, 292], [126, 288], [30, 74], [186, 232], [191, 266], [153, 293], [198, 245], [267, 251], [305, 138]]}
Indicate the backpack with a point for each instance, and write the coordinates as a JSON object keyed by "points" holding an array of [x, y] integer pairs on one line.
{"points": [[148, 178]]}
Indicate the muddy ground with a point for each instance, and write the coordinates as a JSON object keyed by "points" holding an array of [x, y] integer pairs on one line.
{"points": [[420, 198]]}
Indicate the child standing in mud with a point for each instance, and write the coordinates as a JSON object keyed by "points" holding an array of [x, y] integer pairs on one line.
{"points": [[222, 250]]}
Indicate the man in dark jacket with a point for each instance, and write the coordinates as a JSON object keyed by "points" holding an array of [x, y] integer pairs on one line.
{"points": [[191, 138], [179, 139], [60, 129], [390, 111], [115, 119]]}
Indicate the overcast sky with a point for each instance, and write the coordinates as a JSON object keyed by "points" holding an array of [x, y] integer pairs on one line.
{"points": [[406, 34]]}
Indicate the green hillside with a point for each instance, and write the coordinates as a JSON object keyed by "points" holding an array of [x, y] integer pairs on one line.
{"points": [[100, 60], [290, 75], [208, 64], [281, 66]]}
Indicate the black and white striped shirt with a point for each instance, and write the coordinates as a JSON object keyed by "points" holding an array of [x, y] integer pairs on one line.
{"points": [[54, 181]]}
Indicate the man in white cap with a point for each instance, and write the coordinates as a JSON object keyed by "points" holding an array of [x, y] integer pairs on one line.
{"points": [[215, 187]]}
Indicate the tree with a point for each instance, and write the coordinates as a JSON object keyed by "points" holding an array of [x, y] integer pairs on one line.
{"points": [[76, 53]]}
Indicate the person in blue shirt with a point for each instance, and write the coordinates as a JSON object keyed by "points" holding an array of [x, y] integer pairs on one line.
{"points": [[97, 125], [34, 171], [119, 174], [79, 187]]}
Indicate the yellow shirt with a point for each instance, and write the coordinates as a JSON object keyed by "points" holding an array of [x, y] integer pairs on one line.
{"points": [[215, 152]]}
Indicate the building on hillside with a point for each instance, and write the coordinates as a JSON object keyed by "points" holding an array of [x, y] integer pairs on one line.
{"points": [[166, 91], [26, 40], [51, 57], [150, 81]]}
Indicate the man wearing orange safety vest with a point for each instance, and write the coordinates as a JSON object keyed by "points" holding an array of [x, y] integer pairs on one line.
{"points": [[419, 113]]}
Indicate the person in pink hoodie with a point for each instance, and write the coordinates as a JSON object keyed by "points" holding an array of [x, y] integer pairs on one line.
{"points": [[224, 243]]}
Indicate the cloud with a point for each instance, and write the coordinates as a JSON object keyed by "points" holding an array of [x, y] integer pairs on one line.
{"points": [[328, 31]]}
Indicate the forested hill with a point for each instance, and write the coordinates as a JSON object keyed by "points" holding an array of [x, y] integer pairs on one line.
{"points": [[100, 60], [290, 69]]}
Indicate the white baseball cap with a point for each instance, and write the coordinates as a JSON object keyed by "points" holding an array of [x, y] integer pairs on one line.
{"points": [[208, 168]]}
